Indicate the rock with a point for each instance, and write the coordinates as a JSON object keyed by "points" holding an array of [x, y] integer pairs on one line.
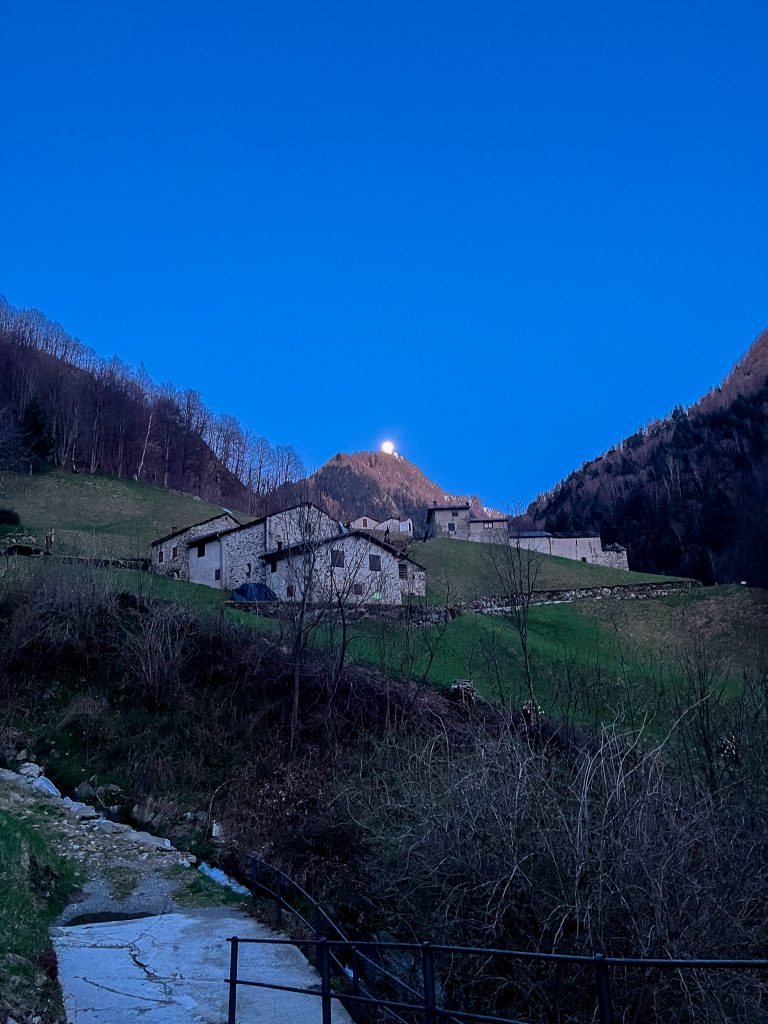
{"points": [[85, 791], [22, 755], [81, 811], [110, 828], [142, 814], [107, 793], [30, 770], [45, 786], [153, 842]]}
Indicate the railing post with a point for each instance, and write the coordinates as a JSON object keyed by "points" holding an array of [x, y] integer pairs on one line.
{"points": [[428, 971], [233, 957], [602, 987], [325, 979], [355, 973], [318, 935], [279, 901]]}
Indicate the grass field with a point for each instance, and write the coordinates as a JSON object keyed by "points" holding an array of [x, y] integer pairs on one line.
{"points": [[462, 570], [35, 883], [99, 516]]}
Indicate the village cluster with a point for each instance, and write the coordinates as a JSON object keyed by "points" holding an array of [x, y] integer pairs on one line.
{"points": [[302, 553]]}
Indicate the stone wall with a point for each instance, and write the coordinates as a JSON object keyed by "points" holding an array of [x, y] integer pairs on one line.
{"points": [[447, 522], [496, 605], [356, 582], [176, 565], [494, 531]]}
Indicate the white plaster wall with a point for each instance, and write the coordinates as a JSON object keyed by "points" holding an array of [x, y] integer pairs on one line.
{"points": [[203, 569]]}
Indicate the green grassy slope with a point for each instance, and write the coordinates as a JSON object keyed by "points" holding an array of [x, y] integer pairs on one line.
{"points": [[99, 515], [465, 570]]}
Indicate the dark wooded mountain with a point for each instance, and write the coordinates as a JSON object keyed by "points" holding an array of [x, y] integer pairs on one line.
{"points": [[62, 404], [371, 483], [688, 494]]}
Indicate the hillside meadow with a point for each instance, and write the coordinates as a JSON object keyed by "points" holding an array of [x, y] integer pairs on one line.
{"points": [[99, 516]]}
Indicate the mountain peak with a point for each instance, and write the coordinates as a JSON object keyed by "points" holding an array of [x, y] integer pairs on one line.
{"points": [[375, 483]]}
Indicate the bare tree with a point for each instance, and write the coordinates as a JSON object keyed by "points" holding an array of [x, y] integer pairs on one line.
{"points": [[517, 563]]}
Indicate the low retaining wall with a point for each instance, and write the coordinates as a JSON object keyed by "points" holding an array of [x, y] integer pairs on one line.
{"points": [[399, 613], [636, 592]]}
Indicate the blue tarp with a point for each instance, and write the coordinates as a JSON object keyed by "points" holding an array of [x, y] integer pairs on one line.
{"points": [[253, 592]]}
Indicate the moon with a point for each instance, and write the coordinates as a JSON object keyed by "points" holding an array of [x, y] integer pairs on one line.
{"points": [[388, 447]]}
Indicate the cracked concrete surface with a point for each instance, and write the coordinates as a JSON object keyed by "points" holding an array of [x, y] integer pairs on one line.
{"points": [[172, 969]]}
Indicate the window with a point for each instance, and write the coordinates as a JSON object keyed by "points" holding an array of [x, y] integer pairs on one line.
{"points": [[374, 563], [337, 559], [583, 559], [402, 570], [488, 526], [248, 568], [273, 565], [279, 545], [201, 550], [451, 527], [289, 590], [217, 574], [365, 522], [455, 514], [160, 556], [359, 589], [175, 553]]}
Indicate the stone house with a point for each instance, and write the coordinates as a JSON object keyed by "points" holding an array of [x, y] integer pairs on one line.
{"points": [[450, 520], [353, 568], [169, 555], [363, 523], [222, 553]]}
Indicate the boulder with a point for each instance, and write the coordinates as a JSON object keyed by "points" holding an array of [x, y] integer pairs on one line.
{"points": [[30, 770], [45, 786]]}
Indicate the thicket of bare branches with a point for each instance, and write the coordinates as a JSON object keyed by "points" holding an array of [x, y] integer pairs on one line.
{"points": [[105, 416]]}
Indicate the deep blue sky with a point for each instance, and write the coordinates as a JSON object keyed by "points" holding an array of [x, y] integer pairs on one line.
{"points": [[502, 233]]}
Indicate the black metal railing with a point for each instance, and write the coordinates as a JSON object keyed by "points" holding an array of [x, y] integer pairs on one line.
{"points": [[353, 974]]}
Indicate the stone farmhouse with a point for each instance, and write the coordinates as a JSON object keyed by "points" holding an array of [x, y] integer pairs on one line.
{"points": [[457, 522], [363, 523], [402, 528], [354, 568], [170, 554], [223, 553]]}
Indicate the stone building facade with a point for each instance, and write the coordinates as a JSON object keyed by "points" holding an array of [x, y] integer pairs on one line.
{"points": [[169, 555], [457, 522], [227, 558], [449, 520], [354, 568]]}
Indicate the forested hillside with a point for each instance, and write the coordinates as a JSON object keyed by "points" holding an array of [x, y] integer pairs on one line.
{"points": [[62, 404], [688, 494]]}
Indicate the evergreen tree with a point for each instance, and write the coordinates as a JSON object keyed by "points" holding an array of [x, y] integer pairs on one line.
{"points": [[35, 433]]}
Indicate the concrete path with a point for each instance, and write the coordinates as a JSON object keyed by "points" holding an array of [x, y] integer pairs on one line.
{"points": [[172, 969]]}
